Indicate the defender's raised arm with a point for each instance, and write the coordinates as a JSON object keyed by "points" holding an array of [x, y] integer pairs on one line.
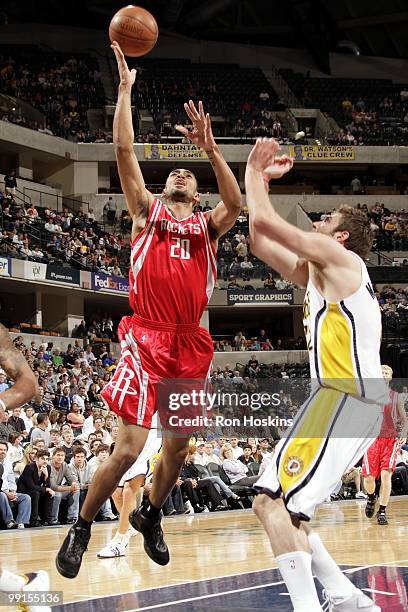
{"points": [[290, 247]]}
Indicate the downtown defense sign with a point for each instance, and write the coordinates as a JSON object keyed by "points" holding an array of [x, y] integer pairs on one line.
{"points": [[174, 151]]}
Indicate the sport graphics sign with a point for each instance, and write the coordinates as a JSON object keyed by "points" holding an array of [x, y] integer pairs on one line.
{"points": [[104, 282], [261, 296]]}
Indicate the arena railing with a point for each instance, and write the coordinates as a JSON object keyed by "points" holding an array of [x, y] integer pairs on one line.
{"points": [[53, 201]]}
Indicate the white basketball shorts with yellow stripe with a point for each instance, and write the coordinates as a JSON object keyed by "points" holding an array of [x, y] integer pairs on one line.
{"points": [[330, 434]]}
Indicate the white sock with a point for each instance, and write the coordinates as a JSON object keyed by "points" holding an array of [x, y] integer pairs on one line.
{"points": [[296, 570], [11, 582], [327, 571], [122, 538]]}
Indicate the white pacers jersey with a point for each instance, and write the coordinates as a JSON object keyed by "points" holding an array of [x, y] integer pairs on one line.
{"points": [[153, 444], [343, 340]]}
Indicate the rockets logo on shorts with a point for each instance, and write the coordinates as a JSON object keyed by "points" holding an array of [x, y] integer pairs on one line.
{"points": [[293, 466], [123, 386]]}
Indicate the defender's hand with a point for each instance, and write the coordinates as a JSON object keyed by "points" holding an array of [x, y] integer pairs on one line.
{"points": [[263, 158]]}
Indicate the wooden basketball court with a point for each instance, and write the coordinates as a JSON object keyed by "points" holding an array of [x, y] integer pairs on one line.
{"points": [[219, 561]]}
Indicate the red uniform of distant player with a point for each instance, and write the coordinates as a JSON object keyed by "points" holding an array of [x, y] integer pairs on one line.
{"points": [[172, 276], [388, 588], [380, 459], [382, 454]]}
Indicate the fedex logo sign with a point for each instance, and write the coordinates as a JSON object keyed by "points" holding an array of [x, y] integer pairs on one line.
{"points": [[111, 283]]}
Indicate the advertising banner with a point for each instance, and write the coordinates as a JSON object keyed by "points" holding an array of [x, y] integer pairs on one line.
{"points": [[5, 266], [173, 151], [321, 153], [63, 275], [261, 296], [34, 271], [104, 282]]}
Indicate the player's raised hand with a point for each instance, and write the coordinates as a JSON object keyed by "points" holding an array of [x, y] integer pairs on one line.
{"points": [[263, 158], [201, 134], [127, 77]]}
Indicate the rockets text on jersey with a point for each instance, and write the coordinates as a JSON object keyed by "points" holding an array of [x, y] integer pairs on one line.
{"points": [[173, 267]]}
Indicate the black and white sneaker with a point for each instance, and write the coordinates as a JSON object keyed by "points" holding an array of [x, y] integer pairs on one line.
{"points": [[152, 533], [370, 508], [70, 554], [382, 518]]}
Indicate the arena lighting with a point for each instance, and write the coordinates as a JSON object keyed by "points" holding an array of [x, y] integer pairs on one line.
{"points": [[348, 45]]}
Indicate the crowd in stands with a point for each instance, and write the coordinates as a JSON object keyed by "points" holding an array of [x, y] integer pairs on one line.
{"points": [[257, 342], [67, 237], [386, 122], [394, 308], [390, 227], [76, 239], [240, 100], [369, 111], [51, 448], [62, 87]]}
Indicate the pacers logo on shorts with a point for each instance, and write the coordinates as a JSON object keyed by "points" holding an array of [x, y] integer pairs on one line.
{"points": [[293, 466]]}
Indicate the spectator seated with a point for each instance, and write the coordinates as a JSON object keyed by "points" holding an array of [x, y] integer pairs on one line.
{"points": [[61, 86]]}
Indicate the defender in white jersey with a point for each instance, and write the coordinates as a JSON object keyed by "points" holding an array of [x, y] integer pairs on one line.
{"points": [[343, 413]]}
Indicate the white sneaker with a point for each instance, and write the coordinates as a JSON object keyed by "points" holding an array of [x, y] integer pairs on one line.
{"points": [[206, 509], [189, 507], [115, 548], [38, 581], [361, 495], [21, 526], [357, 602]]}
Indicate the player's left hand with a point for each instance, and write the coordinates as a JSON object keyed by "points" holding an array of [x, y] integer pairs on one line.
{"points": [[264, 159], [201, 134]]}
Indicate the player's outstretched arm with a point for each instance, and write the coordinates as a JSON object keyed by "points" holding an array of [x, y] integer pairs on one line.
{"points": [[225, 214], [264, 164], [16, 367], [138, 198]]}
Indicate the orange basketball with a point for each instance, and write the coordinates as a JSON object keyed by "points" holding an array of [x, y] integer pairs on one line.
{"points": [[135, 29]]}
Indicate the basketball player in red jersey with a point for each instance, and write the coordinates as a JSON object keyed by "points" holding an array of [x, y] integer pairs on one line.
{"points": [[381, 458], [387, 587], [172, 275]]}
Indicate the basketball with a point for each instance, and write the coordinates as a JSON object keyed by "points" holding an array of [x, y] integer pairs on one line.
{"points": [[135, 29]]}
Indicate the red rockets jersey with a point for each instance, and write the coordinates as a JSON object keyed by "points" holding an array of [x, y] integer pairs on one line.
{"points": [[172, 267], [389, 428]]}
